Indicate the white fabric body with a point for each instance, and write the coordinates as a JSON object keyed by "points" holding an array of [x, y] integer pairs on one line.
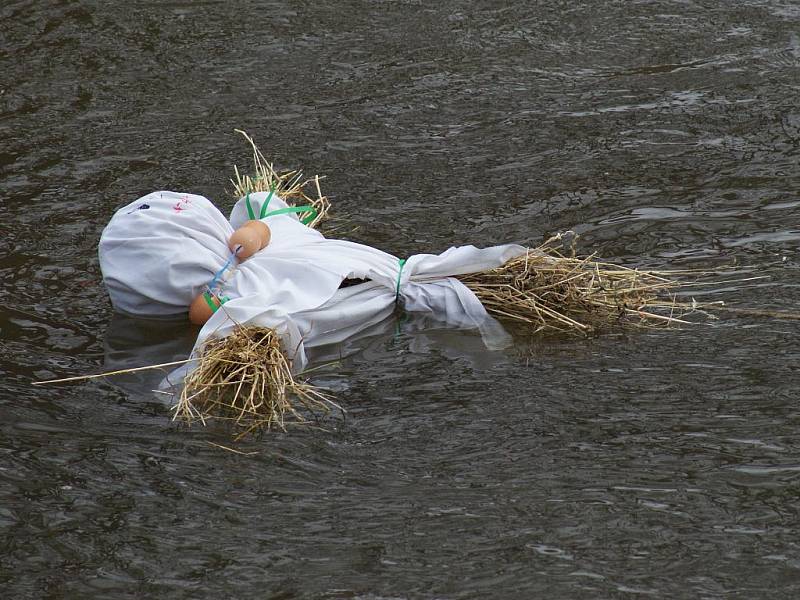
{"points": [[159, 252]]}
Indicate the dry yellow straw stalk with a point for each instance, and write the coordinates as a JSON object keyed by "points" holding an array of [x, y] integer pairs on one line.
{"points": [[289, 185], [547, 290], [245, 378]]}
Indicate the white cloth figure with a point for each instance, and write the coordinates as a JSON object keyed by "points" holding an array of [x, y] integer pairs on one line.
{"points": [[155, 260]]}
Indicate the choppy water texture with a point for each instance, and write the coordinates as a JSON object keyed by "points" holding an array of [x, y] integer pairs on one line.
{"points": [[659, 464]]}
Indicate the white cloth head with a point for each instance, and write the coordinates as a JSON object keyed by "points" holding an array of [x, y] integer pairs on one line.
{"points": [[159, 252]]}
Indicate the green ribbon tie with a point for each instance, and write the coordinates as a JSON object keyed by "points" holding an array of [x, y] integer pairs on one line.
{"points": [[211, 304], [250, 212], [295, 209], [402, 263], [263, 214], [266, 202]]}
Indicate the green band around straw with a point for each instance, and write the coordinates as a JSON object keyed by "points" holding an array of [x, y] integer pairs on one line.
{"points": [[266, 202], [400, 262], [295, 209], [214, 307], [263, 214], [250, 212]]}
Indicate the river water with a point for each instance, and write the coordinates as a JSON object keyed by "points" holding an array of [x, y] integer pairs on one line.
{"points": [[661, 464]]}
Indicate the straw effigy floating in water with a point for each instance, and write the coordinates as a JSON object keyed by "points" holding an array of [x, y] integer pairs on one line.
{"points": [[266, 285]]}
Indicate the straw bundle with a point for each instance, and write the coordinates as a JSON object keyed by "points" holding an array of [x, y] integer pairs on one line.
{"points": [[547, 290], [246, 378], [289, 185]]}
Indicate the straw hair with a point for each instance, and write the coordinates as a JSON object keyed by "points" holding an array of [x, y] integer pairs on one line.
{"points": [[545, 289], [289, 185], [245, 378]]}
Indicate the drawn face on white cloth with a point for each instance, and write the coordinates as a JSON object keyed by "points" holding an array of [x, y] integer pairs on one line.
{"points": [[159, 252]]}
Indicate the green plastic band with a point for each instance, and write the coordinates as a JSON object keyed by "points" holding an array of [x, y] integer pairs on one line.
{"points": [[207, 296], [210, 302], [295, 209], [250, 212], [401, 262], [310, 217], [263, 214], [266, 203]]}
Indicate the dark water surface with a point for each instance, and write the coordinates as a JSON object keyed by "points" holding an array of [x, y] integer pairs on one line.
{"points": [[658, 464]]}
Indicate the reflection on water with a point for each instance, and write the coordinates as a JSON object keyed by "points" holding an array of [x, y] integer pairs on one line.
{"points": [[132, 343], [662, 464]]}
